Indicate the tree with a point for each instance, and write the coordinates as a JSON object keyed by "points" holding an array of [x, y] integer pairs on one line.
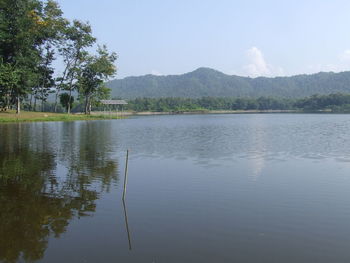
{"points": [[45, 75], [78, 37], [31, 33], [54, 26], [27, 31], [95, 71], [9, 79], [19, 41], [66, 101]]}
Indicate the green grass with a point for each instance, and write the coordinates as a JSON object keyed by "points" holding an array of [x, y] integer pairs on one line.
{"points": [[26, 116]]}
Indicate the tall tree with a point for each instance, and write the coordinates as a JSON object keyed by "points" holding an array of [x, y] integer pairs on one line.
{"points": [[31, 33], [53, 33], [25, 27], [95, 71], [78, 37], [19, 39], [45, 73]]}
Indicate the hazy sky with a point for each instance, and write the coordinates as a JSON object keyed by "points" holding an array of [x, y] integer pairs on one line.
{"points": [[250, 38]]}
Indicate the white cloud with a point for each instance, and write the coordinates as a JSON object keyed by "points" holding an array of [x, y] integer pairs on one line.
{"points": [[156, 72], [258, 66]]}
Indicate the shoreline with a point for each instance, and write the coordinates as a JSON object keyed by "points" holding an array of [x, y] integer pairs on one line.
{"points": [[147, 113], [204, 112], [25, 116]]}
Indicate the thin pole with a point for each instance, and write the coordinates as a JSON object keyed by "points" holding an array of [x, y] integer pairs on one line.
{"points": [[126, 173], [127, 224]]}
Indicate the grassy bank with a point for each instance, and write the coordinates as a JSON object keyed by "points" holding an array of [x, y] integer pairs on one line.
{"points": [[25, 116]]}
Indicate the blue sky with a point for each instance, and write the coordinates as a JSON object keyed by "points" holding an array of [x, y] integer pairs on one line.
{"points": [[249, 38]]}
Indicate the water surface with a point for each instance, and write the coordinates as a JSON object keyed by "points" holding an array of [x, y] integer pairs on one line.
{"points": [[202, 188]]}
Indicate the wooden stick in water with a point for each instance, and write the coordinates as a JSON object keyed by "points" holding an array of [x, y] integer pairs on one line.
{"points": [[126, 173], [127, 224]]}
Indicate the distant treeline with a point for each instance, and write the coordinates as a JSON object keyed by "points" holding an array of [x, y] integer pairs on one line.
{"points": [[333, 102]]}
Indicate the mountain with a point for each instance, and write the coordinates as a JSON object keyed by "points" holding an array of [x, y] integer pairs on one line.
{"points": [[209, 82]]}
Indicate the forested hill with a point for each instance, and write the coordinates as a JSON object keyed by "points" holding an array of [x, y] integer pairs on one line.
{"points": [[209, 82]]}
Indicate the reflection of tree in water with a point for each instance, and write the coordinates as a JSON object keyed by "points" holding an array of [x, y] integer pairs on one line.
{"points": [[88, 149], [36, 201]]}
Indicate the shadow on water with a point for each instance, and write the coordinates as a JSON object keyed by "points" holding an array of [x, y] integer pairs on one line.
{"points": [[47, 181]]}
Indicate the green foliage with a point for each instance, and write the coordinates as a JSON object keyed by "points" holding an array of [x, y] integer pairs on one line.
{"points": [[32, 34], [9, 80], [209, 103], [78, 37], [20, 38], [333, 102], [94, 72], [66, 100]]}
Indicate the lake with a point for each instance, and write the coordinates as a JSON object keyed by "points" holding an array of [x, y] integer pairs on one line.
{"points": [[201, 188]]}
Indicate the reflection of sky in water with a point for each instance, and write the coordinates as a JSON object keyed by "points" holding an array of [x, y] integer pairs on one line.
{"points": [[258, 162], [230, 137]]}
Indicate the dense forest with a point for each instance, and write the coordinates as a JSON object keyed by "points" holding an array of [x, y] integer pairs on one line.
{"points": [[333, 102], [205, 82], [33, 35]]}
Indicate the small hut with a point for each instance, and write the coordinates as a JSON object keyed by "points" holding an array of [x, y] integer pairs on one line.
{"points": [[114, 105]]}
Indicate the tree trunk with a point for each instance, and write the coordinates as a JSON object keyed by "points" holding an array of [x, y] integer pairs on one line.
{"points": [[42, 98], [31, 101], [34, 103], [18, 110], [69, 101], [55, 109], [7, 104], [71, 79], [86, 104], [45, 77]]}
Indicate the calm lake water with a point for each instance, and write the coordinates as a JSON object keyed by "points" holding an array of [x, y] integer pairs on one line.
{"points": [[201, 188]]}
